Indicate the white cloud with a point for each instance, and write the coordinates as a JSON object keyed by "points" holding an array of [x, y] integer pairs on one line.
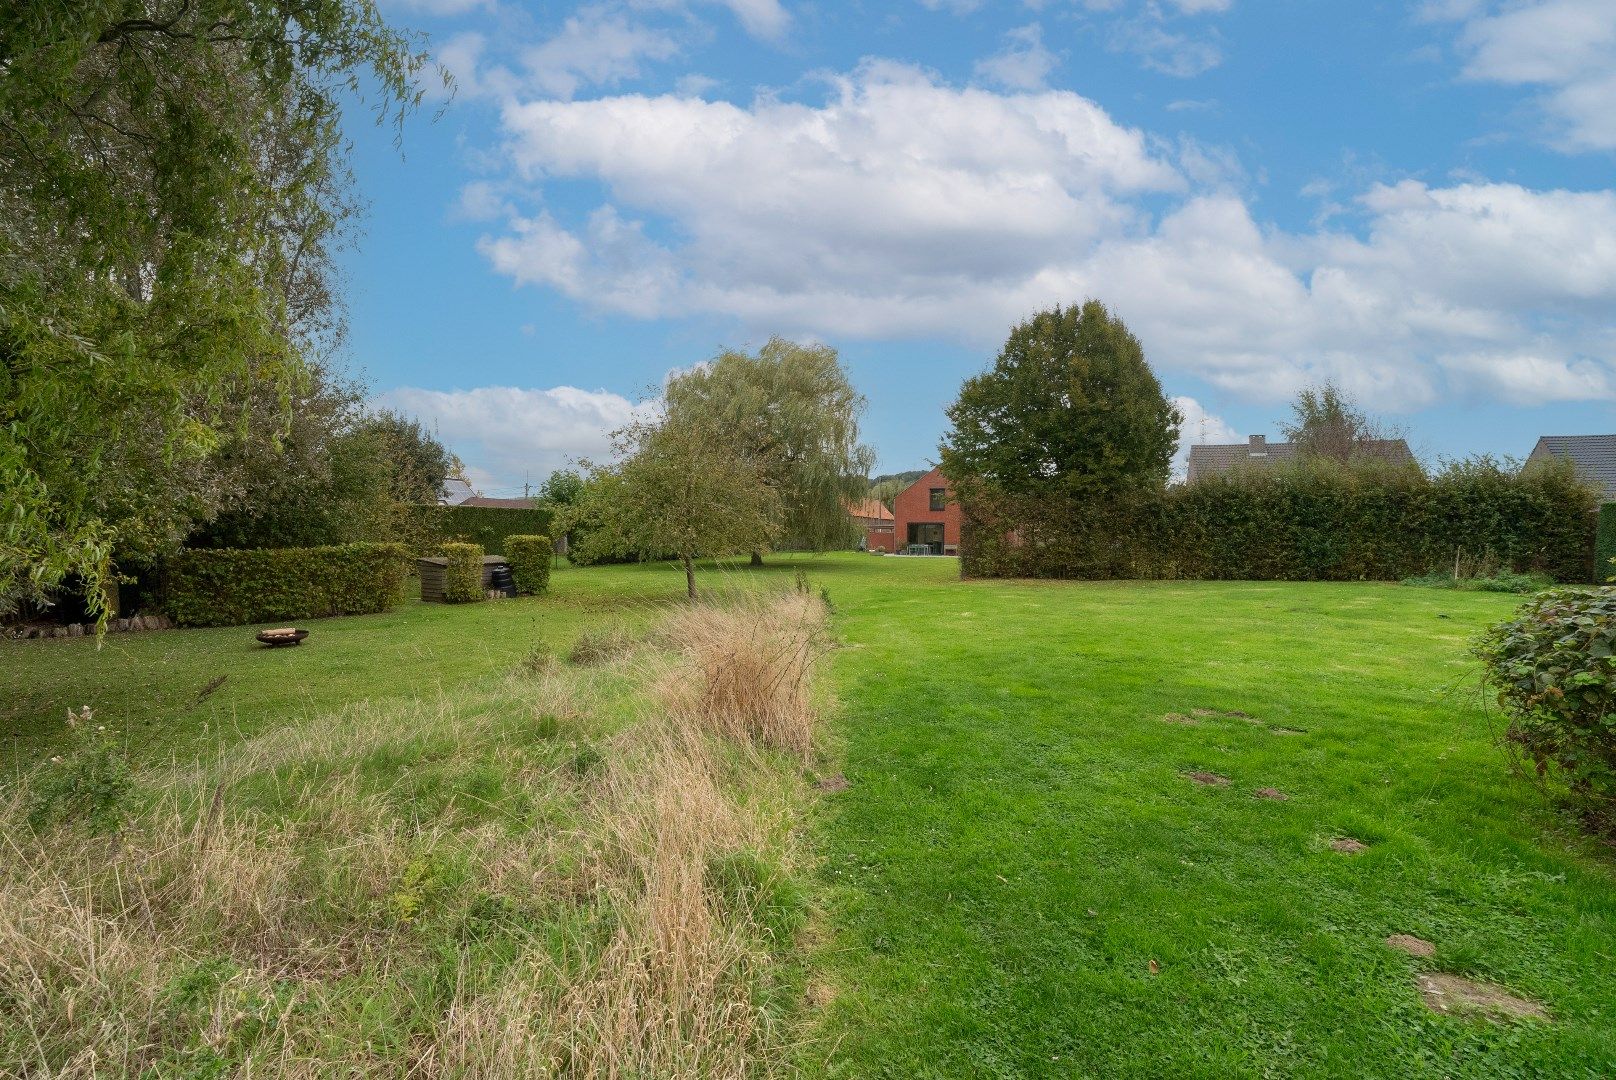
{"points": [[902, 207], [1567, 47], [594, 47], [766, 19], [1180, 55], [1199, 426], [1023, 64], [504, 433], [436, 7]]}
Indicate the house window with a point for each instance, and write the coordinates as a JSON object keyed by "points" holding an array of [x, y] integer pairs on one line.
{"points": [[938, 496]]}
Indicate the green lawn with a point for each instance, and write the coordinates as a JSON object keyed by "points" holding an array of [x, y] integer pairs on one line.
{"points": [[1019, 843]]}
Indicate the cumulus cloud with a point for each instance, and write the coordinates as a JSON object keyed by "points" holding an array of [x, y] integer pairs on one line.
{"points": [[1023, 64], [594, 47], [904, 207], [1567, 47], [504, 433]]}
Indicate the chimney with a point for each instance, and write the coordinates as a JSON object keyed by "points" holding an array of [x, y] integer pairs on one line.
{"points": [[1257, 446]]}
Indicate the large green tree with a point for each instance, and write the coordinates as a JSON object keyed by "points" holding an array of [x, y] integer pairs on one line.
{"points": [[172, 180], [1328, 423], [1070, 408], [679, 487], [792, 409]]}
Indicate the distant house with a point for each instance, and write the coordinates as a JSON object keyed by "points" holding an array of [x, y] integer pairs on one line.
{"points": [[456, 490], [925, 513], [1215, 459], [875, 519], [1594, 457], [501, 504]]}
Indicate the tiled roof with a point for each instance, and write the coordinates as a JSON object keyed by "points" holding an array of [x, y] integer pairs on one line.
{"points": [[869, 510], [1212, 459], [1593, 455], [503, 504]]}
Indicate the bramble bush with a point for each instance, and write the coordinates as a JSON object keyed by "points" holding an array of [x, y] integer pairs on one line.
{"points": [[229, 587], [1553, 666], [529, 557], [463, 577]]}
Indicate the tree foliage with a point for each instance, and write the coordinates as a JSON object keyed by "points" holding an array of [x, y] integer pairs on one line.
{"points": [[172, 181], [680, 486], [792, 411], [1070, 408], [1328, 423]]}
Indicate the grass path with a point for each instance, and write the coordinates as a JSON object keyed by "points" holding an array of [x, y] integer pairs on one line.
{"points": [[1019, 843]]}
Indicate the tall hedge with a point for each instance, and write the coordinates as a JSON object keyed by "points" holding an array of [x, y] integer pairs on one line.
{"points": [[230, 587], [463, 577], [529, 557], [489, 526], [1320, 522], [1605, 543]]}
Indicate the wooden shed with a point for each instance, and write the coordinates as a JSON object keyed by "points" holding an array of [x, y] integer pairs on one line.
{"points": [[432, 573]]}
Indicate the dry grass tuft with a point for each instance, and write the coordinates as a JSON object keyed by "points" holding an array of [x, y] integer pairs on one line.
{"points": [[754, 660]]}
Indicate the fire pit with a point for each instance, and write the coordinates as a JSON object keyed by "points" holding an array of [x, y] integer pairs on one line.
{"points": [[285, 636]]}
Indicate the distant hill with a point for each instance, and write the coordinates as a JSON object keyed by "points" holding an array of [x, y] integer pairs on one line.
{"points": [[887, 485]]}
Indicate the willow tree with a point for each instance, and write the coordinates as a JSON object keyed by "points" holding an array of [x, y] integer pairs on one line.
{"points": [[172, 175], [792, 410]]}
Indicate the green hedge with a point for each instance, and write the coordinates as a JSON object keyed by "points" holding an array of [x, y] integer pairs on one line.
{"points": [[1293, 524], [529, 557], [1605, 543], [231, 587], [463, 577], [491, 525]]}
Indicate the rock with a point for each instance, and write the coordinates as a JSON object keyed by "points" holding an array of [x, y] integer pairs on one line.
{"points": [[75, 630], [58, 631], [121, 624], [163, 623]]}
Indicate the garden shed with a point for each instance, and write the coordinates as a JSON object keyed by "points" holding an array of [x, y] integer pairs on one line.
{"points": [[431, 571]]}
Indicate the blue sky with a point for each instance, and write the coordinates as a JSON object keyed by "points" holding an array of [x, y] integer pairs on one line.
{"points": [[1415, 200]]}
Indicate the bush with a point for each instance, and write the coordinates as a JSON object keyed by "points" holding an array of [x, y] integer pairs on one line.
{"points": [[529, 557], [227, 587], [491, 526], [1500, 581], [89, 786], [1605, 543], [463, 577], [1554, 670], [1319, 522]]}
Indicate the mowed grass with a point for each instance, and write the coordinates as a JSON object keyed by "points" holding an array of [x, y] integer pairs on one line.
{"points": [[1020, 845], [1023, 882]]}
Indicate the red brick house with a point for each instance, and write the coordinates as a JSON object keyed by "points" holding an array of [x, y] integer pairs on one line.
{"points": [[925, 513], [875, 519]]}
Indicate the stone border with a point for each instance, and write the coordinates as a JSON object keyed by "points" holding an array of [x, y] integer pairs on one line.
{"points": [[114, 626]]}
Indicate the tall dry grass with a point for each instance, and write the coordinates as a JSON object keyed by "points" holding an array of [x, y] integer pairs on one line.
{"points": [[311, 902]]}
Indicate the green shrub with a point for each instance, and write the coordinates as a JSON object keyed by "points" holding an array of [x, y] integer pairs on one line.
{"points": [[1500, 581], [529, 557], [463, 577], [491, 526], [1318, 522], [1605, 543], [228, 587], [1554, 668]]}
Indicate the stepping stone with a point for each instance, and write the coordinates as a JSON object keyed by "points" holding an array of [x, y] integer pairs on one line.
{"points": [[1454, 995], [1412, 945], [1348, 845]]}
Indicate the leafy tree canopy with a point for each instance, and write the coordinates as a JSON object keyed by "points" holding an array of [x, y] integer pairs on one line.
{"points": [[1070, 407], [172, 178], [791, 410], [1327, 423]]}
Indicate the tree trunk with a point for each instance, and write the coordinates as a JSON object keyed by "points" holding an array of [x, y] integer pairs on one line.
{"points": [[690, 576], [757, 558]]}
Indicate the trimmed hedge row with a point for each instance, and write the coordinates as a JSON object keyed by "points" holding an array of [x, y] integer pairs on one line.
{"points": [[231, 587], [491, 526], [463, 577], [529, 557], [1294, 524], [1605, 543]]}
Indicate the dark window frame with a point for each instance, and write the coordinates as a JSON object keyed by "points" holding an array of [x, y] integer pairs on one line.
{"points": [[939, 498]]}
